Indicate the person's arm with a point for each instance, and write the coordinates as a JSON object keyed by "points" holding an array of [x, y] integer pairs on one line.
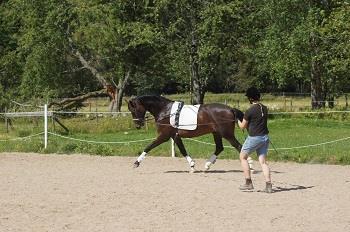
{"points": [[243, 124]]}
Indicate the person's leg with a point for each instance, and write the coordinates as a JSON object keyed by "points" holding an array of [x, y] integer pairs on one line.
{"points": [[250, 163], [265, 168], [244, 163], [262, 153], [247, 148], [248, 185]]}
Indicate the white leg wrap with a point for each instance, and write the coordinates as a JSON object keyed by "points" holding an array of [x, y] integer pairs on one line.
{"points": [[190, 160], [210, 161], [141, 157], [250, 162], [213, 158]]}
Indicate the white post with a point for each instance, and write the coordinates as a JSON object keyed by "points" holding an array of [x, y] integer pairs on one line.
{"points": [[45, 125], [172, 148]]}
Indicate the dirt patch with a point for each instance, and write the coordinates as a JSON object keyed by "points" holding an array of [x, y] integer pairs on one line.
{"points": [[93, 193]]}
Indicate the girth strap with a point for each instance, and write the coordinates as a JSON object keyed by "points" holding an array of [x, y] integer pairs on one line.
{"points": [[177, 114]]}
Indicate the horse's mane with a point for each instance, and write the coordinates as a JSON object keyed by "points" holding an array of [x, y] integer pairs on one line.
{"points": [[152, 98]]}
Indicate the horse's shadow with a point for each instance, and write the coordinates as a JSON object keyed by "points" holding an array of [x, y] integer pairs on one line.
{"points": [[276, 172], [217, 171], [201, 171]]}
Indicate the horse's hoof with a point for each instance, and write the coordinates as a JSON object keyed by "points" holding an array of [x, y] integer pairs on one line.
{"points": [[136, 164], [207, 166], [192, 170]]}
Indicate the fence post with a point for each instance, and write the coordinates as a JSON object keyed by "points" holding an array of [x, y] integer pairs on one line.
{"points": [[346, 101], [6, 121], [45, 126], [172, 148], [285, 103]]}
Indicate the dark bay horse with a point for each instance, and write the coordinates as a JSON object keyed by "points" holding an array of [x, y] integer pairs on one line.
{"points": [[215, 118]]}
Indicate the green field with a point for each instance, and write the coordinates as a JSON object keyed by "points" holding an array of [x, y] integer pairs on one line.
{"points": [[238, 100], [285, 132]]}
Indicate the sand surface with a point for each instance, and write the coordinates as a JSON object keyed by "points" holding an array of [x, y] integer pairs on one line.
{"points": [[93, 193]]}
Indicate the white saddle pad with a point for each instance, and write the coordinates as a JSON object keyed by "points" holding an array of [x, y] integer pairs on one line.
{"points": [[188, 116]]}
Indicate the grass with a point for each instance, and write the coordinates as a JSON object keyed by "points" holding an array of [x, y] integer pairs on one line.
{"points": [[285, 132]]}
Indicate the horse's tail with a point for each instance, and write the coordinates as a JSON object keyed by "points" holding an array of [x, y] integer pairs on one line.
{"points": [[238, 114]]}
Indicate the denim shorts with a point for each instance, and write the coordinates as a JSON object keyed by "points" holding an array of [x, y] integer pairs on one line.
{"points": [[260, 144]]}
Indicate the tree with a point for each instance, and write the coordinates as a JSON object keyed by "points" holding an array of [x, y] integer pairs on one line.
{"points": [[292, 46], [205, 36], [119, 39], [336, 52]]}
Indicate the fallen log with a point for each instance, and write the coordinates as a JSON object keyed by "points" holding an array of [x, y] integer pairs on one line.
{"points": [[69, 103]]}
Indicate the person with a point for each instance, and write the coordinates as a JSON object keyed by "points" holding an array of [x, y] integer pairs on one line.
{"points": [[255, 121]]}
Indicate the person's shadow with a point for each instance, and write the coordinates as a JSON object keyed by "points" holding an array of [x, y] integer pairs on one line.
{"points": [[277, 189]]}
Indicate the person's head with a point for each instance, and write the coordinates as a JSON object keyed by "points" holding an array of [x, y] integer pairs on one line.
{"points": [[253, 94]]}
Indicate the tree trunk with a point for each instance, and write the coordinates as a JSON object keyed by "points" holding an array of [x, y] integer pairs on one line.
{"points": [[86, 64], [197, 87], [331, 102], [317, 97], [121, 88], [317, 100], [115, 92]]}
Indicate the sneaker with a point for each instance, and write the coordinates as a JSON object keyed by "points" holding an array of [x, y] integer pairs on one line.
{"points": [[247, 187]]}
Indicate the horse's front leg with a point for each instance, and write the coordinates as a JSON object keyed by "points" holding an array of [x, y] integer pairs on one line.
{"points": [[159, 140], [183, 151]]}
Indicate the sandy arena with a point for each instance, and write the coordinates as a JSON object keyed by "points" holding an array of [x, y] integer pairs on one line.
{"points": [[93, 193]]}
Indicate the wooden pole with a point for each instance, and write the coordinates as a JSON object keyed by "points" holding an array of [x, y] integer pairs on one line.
{"points": [[6, 121], [346, 101], [60, 123], [96, 111], [173, 148]]}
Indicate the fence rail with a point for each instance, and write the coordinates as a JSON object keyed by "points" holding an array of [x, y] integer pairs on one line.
{"points": [[26, 114], [46, 114]]}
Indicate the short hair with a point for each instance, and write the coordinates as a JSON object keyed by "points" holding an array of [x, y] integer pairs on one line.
{"points": [[253, 93]]}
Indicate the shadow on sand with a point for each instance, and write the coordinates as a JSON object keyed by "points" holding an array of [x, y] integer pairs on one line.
{"points": [[201, 171], [277, 189], [218, 171]]}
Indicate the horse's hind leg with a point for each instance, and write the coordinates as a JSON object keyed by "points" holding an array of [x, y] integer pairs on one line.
{"points": [[218, 149], [183, 151], [234, 142]]}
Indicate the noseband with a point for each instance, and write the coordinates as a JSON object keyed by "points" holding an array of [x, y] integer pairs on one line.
{"points": [[141, 119]]}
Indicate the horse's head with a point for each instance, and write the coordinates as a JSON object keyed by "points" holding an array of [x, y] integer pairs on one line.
{"points": [[138, 112]]}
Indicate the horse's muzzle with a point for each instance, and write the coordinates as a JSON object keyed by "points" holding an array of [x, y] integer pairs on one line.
{"points": [[139, 123]]}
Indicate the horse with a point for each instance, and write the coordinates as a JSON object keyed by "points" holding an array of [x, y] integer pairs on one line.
{"points": [[215, 118]]}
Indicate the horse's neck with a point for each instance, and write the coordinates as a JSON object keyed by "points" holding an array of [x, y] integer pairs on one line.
{"points": [[156, 108]]}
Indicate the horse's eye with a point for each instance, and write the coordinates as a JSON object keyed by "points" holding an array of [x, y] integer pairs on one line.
{"points": [[131, 105]]}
